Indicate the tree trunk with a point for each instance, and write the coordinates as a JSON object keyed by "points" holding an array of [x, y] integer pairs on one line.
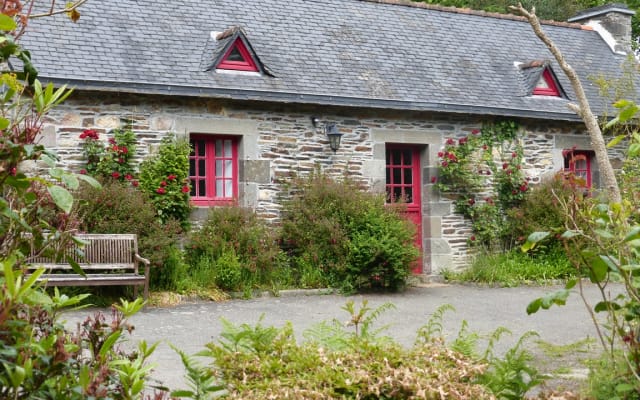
{"points": [[582, 109]]}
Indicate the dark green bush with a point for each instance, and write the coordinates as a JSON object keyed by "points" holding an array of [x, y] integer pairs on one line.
{"points": [[234, 240], [121, 208], [350, 236]]}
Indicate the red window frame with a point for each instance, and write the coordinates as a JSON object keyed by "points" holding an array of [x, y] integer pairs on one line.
{"points": [[393, 164], [248, 64], [208, 169], [551, 90], [571, 161]]}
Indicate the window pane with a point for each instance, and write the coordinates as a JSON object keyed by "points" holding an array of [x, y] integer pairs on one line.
{"points": [[219, 183], [192, 167], [397, 175], [235, 55], [406, 157], [192, 146], [397, 194], [202, 189], [193, 188], [227, 148], [408, 178], [219, 148], [228, 189], [388, 176], [201, 149], [581, 164], [397, 160], [219, 170], [408, 195], [388, 157], [227, 169], [201, 168]]}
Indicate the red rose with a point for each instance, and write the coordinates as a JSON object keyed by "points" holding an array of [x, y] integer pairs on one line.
{"points": [[485, 147], [128, 177], [434, 179], [475, 132], [171, 177], [450, 142], [83, 171], [124, 150], [472, 238], [120, 160], [472, 202], [185, 189], [514, 155], [163, 183], [161, 190], [440, 154], [505, 166], [462, 141], [445, 164], [135, 183], [452, 157], [115, 174], [112, 141], [523, 187]]}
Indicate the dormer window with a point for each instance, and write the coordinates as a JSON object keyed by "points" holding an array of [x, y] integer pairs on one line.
{"points": [[231, 51], [238, 58], [546, 85]]}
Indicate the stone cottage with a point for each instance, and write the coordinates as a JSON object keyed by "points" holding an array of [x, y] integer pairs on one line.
{"points": [[260, 87]]}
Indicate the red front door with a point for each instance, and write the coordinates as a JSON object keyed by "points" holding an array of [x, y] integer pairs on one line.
{"points": [[403, 186]]}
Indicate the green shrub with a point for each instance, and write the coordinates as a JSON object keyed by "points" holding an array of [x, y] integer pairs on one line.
{"points": [[233, 232], [348, 235], [228, 271], [165, 178], [112, 161], [121, 208]]}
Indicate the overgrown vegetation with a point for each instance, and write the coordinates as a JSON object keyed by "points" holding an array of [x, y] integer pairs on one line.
{"points": [[346, 237], [515, 268]]}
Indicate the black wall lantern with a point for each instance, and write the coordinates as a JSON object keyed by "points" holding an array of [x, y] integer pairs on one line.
{"points": [[332, 132]]}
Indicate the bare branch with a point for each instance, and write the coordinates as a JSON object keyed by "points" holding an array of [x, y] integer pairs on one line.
{"points": [[584, 110], [52, 11]]}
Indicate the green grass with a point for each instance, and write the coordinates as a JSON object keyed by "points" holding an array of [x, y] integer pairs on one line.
{"points": [[515, 268]]}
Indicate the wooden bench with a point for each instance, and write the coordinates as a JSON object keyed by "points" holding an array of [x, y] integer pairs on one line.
{"points": [[109, 260]]}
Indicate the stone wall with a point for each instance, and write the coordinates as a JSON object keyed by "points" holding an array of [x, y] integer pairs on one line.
{"points": [[277, 142]]}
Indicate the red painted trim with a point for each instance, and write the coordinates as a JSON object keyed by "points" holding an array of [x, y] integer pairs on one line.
{"points": [[552, 90], [211, 198], [248, 64], [581, 156]]}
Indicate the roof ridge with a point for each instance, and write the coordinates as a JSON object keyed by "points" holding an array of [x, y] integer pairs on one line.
{"points": [[480, 13]]}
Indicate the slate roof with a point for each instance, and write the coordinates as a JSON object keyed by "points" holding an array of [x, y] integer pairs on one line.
{"points": [[331, 52]]}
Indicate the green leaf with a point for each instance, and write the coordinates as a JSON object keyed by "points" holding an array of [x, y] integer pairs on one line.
{"points": [[634, 149], [569, 234], [628, 112], [625, 388], [571, 283], [71, 181], [108, 344], [56, 173], [533, 240], [90, 180], [633, 234], [534, 306], [605, 306], [7, 23], [62, 197], [558, 297], [622, 103], [604, 234], [598, 269], [616, 140]]}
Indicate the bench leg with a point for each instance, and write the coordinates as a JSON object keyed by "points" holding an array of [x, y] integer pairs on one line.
{"points": [[135, 292]]}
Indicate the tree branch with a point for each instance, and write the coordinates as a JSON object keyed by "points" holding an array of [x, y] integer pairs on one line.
{"points": [[583, 110], [52, 11]]}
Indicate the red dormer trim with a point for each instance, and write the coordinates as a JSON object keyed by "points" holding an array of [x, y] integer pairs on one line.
{"points": [[246, 64], [551, 89]]}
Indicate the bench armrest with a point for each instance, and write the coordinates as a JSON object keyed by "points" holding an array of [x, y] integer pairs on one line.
{"points": [[142, 259], [146, 263]]}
